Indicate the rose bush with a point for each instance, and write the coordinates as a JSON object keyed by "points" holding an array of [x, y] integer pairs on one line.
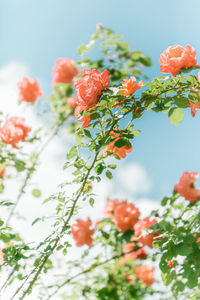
{"points": [[107, 96]]}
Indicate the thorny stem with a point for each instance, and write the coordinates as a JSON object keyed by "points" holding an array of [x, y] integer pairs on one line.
{"points": [[44, 260], [92, 267], [31, 171], [8, 278]]}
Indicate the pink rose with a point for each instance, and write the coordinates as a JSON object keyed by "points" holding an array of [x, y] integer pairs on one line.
{"points": [[125, 216], [29, 90], [145, 239], [89, 87], [176, 57], [82, 233], [14, 131], [64, 71], [186, 187]]}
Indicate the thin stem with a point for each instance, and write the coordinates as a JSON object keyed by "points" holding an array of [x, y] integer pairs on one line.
{"points": [[44, 260], [92, 267], [8, 278], [30, 171]]}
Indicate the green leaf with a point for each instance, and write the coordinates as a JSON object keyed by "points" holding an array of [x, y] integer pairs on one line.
{"points": [[87, 133], [182, 102], [193, 80], [36, 193], [188, 70], [180, 285], [135, 132], [81, 49], [72, 152], [59, 247], [20, 165], [192, 279], [188, 239], [94, 116], [183, 249], [112, 167], [175, 115], [193, 97], [1, 187], [124, 46], [99, 168], [146, 61], [109, 174], [166, 278], [35, 221], [122, 142], [91, 201], [47, 200], [164, 266], [164, 201]]}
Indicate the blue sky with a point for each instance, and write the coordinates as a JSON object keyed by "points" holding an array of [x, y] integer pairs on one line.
{"points": [[36, 32]]}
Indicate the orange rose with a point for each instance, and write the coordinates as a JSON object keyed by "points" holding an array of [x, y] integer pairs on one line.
{"points": [[176, 57]]}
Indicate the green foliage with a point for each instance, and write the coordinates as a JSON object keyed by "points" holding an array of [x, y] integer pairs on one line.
{"points": [[179, 230]]}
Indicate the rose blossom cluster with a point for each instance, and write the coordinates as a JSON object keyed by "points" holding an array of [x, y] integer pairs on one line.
{"points": [[14, 131], [186, 187], [146, 274], [64, 71], [126, 217], [89, 89], [82, 232], [120, 152], [129, 86], [132, 253], [176, 57], [29, 90]]}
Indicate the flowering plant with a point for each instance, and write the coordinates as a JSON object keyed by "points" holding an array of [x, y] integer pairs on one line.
{"points": [[98, 102]]}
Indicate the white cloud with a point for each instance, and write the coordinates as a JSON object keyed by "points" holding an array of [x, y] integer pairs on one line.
{"points": [[10, 75], [134, 179], [146, 206]]}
